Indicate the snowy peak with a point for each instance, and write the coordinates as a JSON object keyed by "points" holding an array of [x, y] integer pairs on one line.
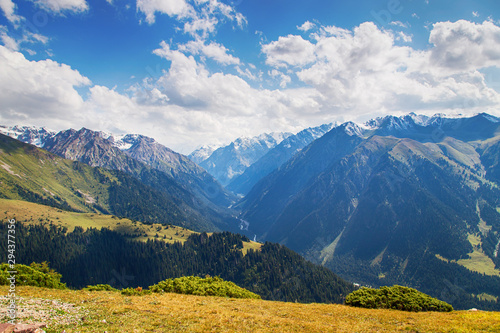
{"points": [[29, 134], [269, 140], [232, 160], [352, 129], [202, 153], [126, 141], [489, 117]]}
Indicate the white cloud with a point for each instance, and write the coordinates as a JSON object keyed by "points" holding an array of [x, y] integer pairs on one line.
{"points": [[8, 41], [284, 79], [14, 44], [212, 50], [306, 26], [178, 8], [199, 17], [344, 74], [399, 24], [404, 37], [188, 105], [61, 6], [363, 71], [291, 50], [32, 90], [463, 45], [9, 9]]}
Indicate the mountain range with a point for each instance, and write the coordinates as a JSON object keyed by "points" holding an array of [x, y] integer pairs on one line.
{"points": [[411, 200], [377, 202]]}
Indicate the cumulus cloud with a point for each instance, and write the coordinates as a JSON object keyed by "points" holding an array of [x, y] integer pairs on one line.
{"points": [[61, 6], [363, 71], [291, 50], [179, 8], [463, 45], [37, 89], [340, 74], [188, 104]]}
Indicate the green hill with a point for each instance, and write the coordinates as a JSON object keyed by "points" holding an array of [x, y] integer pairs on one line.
{"points": [[32, 174]]}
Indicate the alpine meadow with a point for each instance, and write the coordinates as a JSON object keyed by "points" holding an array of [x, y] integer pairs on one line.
{"points": [[249, 166]]}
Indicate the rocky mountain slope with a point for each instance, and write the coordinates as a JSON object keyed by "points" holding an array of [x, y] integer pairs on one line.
{"points": [[33, 174]]}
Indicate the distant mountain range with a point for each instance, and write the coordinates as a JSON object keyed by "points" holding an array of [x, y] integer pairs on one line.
{"points": [[274, 158], [228, 162]]}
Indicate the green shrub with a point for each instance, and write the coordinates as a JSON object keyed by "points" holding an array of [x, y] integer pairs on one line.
{"points": [[135, 291], [100, 287], [396, 297], [209, 286], [38, 275]]}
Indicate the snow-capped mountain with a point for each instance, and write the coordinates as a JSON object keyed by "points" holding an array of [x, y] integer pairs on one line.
{"points": [[202, 153], [227, 162], [275, 157], [30, 134]]}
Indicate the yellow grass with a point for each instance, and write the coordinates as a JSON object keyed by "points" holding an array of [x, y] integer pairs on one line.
{"points": [[479, 262], [113, 312], [31, 213]]}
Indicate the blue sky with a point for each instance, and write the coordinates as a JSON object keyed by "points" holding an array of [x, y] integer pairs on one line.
{"points": [[193, 72]]}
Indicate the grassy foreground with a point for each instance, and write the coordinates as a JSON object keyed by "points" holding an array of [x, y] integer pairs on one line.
{"points": [[113, 312]]}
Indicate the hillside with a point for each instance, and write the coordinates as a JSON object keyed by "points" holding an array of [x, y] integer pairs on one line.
{"points": [[33, 174], [30, 213], [112, 312], [104, 256]]}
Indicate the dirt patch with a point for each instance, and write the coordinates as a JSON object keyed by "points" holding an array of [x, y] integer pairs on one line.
{"points": [[36, 310]]}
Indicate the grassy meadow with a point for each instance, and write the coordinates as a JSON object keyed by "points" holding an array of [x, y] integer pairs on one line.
{"points": [[112, 312]]}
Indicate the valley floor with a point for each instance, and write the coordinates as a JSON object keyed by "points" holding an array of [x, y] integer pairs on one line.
{"points": [[113, 312]]}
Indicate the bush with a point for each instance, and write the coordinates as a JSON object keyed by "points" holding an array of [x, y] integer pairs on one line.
{"points": [[396, 297], [209, 286], [135, 292], [38, 275], [100, 287]]}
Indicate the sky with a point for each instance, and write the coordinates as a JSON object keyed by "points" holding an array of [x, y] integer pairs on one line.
{"points": [[196, 72]]}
